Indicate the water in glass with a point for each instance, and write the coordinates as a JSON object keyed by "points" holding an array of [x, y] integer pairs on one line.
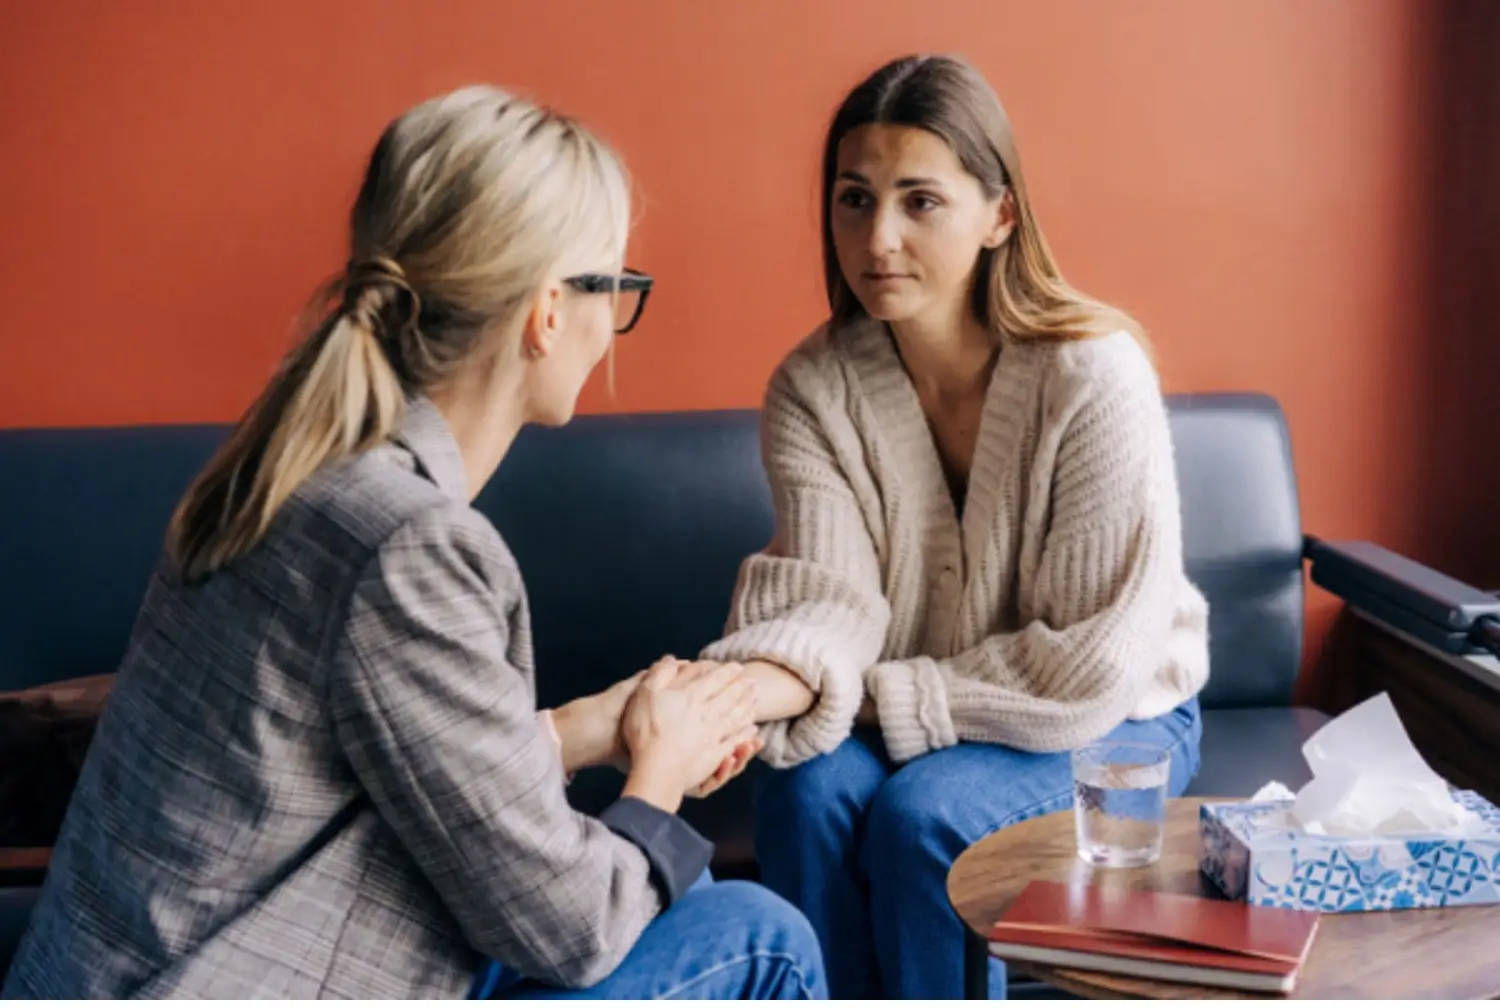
{"points": [[1120, 802]]}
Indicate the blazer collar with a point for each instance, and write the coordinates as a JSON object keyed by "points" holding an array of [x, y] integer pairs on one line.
{"points": [[430, 440]]}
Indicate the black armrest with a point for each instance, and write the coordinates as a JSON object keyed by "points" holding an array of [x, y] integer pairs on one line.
{"points": [[1432, 607]]}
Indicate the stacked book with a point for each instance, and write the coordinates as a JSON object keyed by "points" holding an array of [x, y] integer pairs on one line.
{"points": [[1156, 936]]}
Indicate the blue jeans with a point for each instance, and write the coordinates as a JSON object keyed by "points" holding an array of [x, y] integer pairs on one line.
{"points": [[720, 940], [863, 847]]}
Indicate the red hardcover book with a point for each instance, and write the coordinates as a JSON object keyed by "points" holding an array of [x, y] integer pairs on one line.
{"points": [[1157, 936]]}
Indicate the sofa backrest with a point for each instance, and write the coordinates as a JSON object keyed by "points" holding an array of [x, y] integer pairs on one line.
{"points": [[1242, 541], [82, 515], [629, 531]]}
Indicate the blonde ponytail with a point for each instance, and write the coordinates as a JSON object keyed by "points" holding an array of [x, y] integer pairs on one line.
{"points": [[336, 394], [467, 202]]}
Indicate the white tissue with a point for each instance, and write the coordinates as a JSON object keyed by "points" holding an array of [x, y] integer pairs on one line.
{"points": [[1274, 791], [1369, 780]]}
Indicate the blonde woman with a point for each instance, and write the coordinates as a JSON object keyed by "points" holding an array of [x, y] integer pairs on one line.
{"points": [[978, 556], [322, 773]]}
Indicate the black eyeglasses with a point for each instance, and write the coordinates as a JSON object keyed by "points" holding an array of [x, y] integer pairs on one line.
{"points": [[630, 288]]}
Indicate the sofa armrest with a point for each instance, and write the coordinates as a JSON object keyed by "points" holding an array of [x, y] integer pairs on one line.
{"points": [[23, 866], [1437, 610]]}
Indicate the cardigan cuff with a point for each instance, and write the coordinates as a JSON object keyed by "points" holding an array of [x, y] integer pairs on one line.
{"points": [[911, 701], [827, 723]]}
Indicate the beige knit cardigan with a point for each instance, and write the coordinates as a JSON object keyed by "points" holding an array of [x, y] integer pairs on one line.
{"points": [[1054, 609]]}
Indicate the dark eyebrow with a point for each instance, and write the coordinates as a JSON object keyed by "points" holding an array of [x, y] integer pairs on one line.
{"points": [[906, 183]]}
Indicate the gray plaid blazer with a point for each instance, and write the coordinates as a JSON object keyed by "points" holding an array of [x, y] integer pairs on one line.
{"points": [[320, 773]]}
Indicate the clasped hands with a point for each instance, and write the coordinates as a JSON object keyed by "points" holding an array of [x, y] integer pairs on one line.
{"points": [[689, 726]]}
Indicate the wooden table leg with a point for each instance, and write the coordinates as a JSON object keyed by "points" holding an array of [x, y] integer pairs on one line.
{"points": [[976, 967]]}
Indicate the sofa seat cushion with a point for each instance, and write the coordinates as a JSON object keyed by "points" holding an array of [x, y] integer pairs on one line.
{"points": [[1246, 747]]}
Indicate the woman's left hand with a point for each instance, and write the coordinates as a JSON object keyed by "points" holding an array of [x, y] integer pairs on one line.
{"points": [[730, 768]]}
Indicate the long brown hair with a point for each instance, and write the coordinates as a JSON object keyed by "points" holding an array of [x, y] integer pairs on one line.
{"points": [[467, 201], [1019, 292]]}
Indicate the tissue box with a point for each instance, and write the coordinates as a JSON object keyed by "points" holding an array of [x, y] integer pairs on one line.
{"points": [[1251, 853]]}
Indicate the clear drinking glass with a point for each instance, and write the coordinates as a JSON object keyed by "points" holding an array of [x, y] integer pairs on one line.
{"points": [[1120, 802]]}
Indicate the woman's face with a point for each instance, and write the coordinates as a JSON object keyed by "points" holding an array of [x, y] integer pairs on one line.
{"points": [[909, 223]]}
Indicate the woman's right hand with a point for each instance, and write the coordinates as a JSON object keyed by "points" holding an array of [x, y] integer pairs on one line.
{"points": [[681, 723]]}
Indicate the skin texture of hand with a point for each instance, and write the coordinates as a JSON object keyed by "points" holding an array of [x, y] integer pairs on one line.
{"points": [[589, 728], [779, 693], [683, 724], [768, 680], [729, 769]]}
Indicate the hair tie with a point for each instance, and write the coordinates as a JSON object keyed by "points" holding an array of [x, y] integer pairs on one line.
{"points": [[378, 272]]}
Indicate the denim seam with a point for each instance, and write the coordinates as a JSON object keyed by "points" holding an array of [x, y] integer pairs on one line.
{"points": [[673, 992], [1034, 809]]}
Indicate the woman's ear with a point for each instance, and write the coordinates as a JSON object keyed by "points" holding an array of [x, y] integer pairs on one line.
{"points": [[543, 322], [1004, 222]]}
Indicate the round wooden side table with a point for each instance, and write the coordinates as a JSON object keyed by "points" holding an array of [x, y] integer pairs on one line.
{"points": [[1440, 953]]}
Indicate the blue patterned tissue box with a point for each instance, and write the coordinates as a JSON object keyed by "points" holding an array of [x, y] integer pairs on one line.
{"points": [[1251, 853]]}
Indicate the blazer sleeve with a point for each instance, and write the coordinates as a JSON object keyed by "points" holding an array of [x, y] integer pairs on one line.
{"points": [[440, 727]]}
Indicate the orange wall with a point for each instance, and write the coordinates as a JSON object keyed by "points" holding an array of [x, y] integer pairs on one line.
{"points": [[1246, 177]]}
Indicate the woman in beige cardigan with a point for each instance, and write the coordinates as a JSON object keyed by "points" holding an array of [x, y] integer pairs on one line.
{"points": [[978, 544]]}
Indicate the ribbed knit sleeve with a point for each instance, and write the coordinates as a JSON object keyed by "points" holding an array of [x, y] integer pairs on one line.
{"points": [[811, 601], [1099, 614]]}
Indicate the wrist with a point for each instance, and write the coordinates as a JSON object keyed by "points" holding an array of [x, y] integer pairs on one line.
{"points": [[587, 737], [655, 782], [779, 692]]}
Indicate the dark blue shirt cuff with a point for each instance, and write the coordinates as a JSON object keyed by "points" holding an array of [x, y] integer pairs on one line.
{"points": [[677, 852]]}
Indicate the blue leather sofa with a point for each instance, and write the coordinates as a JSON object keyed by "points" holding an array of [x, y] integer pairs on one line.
{"points": [[629, 531]]}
